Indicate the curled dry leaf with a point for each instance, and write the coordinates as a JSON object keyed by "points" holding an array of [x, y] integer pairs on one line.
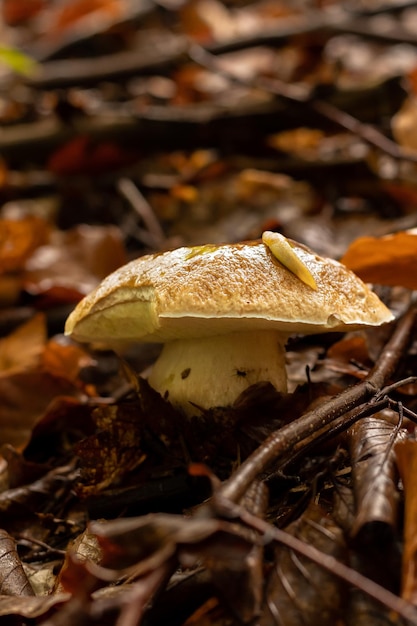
{"points": [[65, 361], [13, 580], [372, 452], [388, 260], [406, 453], [84, 548], [299, 591]]}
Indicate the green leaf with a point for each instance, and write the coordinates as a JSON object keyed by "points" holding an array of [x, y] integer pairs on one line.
{"points": [[17, 61]]}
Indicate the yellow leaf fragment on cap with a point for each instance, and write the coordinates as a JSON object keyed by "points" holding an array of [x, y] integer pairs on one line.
{"points": [[284, 252]]}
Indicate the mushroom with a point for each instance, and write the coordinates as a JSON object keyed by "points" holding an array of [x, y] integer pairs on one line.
{"points": [[224, 313]]}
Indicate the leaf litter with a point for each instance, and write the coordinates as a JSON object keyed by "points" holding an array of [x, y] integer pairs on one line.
{"points": [[284, 508]]}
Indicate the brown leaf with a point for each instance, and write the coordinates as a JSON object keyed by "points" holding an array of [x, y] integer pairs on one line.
{"points": [[388, 260], [84, 548], [83, 155], [19, 506], [74, 261], [301, 592], [406, 453], [13, 580], [68, 14], [19, 239], [64, 361], [22, 349], [141, 544], [24, 399], [403, 125], [114, 450], [374, 476], [65, 421], [29, 607], [14, 14]]}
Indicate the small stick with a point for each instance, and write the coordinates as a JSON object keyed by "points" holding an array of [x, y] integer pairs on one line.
{"points": [[143, 209], [284, 439]]}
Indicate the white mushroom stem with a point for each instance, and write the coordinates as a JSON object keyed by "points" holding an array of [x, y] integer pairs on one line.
{"points": [[212, 371]]}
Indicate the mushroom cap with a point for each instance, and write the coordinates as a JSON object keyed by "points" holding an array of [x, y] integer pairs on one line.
{"points": [[215, 289]]}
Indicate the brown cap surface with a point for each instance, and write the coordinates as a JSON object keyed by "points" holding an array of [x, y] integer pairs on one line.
{"points": [[215, 289]]}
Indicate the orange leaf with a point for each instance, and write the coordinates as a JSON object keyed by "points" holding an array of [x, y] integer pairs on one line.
{"points": [[18, 239], [22, 349], [64, 361], [388, 260]]}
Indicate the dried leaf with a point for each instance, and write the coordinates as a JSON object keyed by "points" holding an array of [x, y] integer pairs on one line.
{"points": [[372, 451], [20, 410], [22, 349], [64, 361], [406, 453], [13, 580], [114, 450], [304, 142], [30, 607], [68, 14], [65, 421], [74, 262], [84, 156], [301, 592], [388, 260], [20, 505], [404, 125], [19, 239], [84, 548], [142, 544]]}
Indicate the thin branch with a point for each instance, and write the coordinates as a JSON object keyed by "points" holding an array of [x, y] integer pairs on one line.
{"points": [[284, 439], [327, 561], [143, 209]]}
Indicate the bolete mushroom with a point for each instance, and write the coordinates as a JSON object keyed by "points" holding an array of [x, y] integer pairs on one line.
{"points": [[224, 313]]}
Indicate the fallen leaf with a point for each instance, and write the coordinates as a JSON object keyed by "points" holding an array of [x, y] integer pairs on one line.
{"points": [[74, 262], [67, 14], [388, 260], [114, 450], [299, 591], [13, 580], [18, 240], [83, 155], [64, 361], [406, 454], [25, 397], [22, 349], [404, 125], [371, 441]]}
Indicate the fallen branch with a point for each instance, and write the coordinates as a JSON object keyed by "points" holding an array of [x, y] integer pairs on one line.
{"points": [[284, 439]]}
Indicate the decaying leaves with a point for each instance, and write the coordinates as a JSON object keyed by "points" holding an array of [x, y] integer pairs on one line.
{"points": [[406, 453], [19, 239], [13, 580], [372, 442], [299, 591]]}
